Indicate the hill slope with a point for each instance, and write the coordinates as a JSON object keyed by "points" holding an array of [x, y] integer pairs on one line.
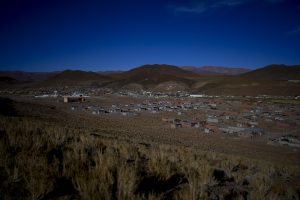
{"points": [[77, 78], [214, 70], [151, 75], [269, 80], [275, 72]]}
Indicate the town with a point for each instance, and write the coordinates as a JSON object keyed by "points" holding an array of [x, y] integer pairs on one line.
{"points": [[234, 116]]}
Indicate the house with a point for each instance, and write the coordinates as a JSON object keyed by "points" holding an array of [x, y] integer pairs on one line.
{"points": [[208, 130], [129, 114], [253, 124], [213, 106], [185, 123], [212, 120], [94, 112], [253, 131], [101, 110], [168, 120], [190, 124], [289, 140], [210, 127], [244, 132], [195, 124], [143, 108], [176, 123], [197, 95], [247, 115], [68, 99], [232, 130], [243, 124]]}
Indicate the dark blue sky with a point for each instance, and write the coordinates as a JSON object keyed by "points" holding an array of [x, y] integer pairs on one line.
{"points": [[48, 35]]}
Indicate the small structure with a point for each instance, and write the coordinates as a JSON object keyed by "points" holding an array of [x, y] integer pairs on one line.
{"points": [[197, 95], [68, 99], [212, 120], [253, 124], [168, 120], [129, 114], [289, 140], [95, 112], [213, 106], [190, 124], [208, 130], [244, 132], [176, 123], [232, 130], [253, 131], [101, 110]]}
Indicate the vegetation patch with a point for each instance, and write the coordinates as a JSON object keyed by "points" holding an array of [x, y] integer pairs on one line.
{"points": [[6, 107], [46, 161]]}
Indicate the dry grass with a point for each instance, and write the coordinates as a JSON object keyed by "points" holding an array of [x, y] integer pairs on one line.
{"points": [[40, 160]]}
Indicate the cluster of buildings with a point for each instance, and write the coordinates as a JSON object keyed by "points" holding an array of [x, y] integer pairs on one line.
{"points": [[231, 116], [152, 107], [239, 118], [211, 125], [178, 123]]}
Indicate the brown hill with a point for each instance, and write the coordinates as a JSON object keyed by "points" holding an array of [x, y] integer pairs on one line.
{"points": [[77, 78], [269, 80], [275, 72], [215, 70], [150, 76]]}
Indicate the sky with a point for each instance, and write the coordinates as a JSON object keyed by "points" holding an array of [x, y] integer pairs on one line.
{"points": [[102, 35]]}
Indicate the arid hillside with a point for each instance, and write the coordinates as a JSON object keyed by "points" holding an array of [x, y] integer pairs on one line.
{"points": [[269, 80], [215, 70], [77, 78], [149, 76], [275, 72]]}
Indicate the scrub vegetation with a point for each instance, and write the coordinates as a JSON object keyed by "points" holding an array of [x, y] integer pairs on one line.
{"points": [[44, 160]]}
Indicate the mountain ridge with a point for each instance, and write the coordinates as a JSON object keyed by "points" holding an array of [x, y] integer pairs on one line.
{"points": [[275, 71], [216, 70], [152, 75], [271, 79]]}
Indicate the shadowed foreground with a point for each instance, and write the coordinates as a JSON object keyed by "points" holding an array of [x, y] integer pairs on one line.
{"points": [[41, 160]]}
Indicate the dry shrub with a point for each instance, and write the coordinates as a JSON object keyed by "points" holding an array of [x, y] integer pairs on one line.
{"points": [[36, 154]]}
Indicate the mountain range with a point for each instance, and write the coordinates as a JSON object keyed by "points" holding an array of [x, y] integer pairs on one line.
{"points": [[269, 80]]}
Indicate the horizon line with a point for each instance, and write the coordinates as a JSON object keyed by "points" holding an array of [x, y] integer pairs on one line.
{"points": [[128, 69]]}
